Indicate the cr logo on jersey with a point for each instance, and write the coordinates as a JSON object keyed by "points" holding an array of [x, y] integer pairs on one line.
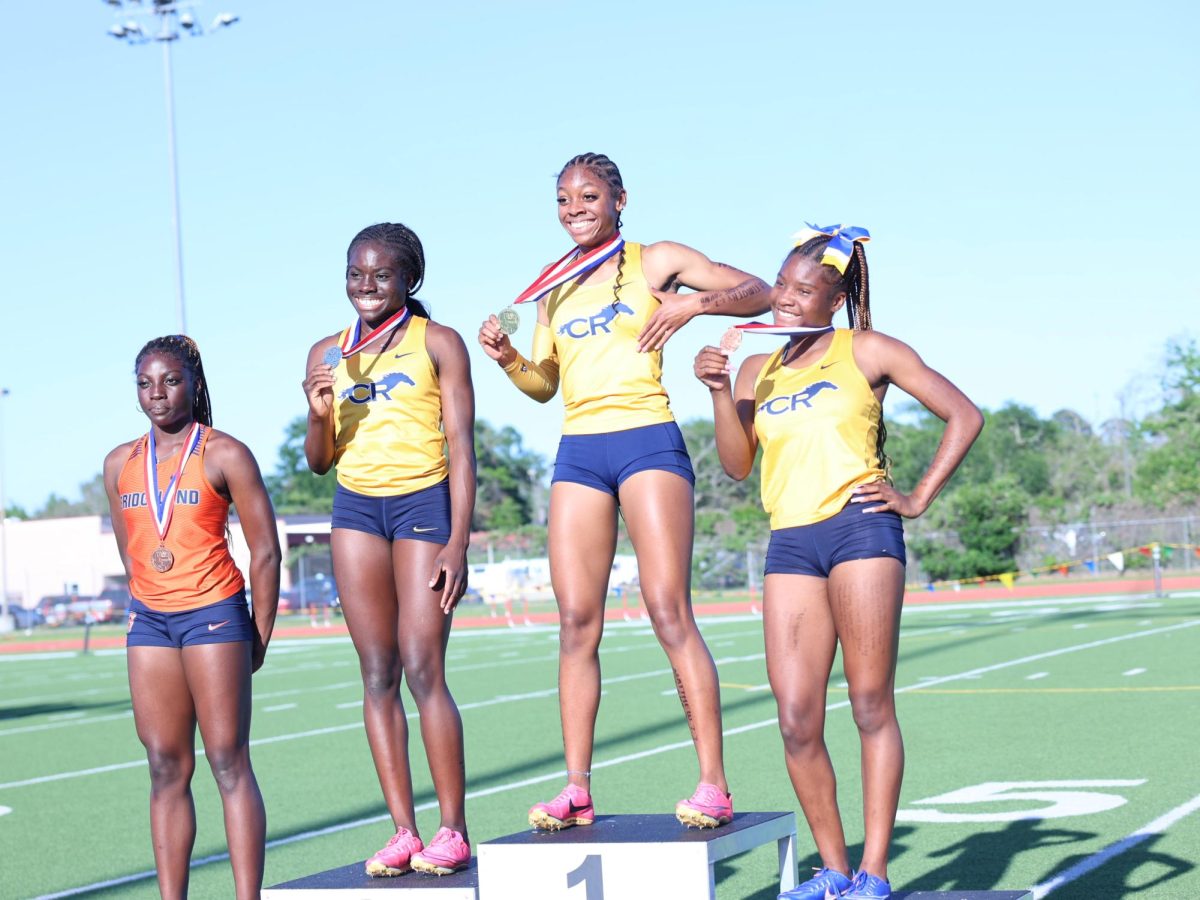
{"points": [[589, 325], [367, 391], [778, 405]]}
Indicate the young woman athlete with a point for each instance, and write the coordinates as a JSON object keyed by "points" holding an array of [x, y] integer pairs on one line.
{"points": [[191, 643], [835, 561], [602, 332], [386, 398]]}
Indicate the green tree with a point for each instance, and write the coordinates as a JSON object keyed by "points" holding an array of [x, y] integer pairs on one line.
{"points": [[984, 520], [1169, 470], [93, 501], [294, 489], [509, 477]]}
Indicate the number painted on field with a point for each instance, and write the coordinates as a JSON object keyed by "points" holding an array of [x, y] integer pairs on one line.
{"points": [[1054, 801], [589, 874]]}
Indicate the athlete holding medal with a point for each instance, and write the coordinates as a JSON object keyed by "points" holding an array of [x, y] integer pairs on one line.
{"points": [[604, 312], [191, 643], [387, 398], [835, 561]]}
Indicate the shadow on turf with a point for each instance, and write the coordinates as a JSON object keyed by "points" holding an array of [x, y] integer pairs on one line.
{"points": [[41, 709], [1117, 877]]}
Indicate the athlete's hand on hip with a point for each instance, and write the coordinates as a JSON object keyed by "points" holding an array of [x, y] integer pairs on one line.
{"points": [[450, 573], [713, 368], [674, 312], [889, 499], [495, 342], [318, 387]]}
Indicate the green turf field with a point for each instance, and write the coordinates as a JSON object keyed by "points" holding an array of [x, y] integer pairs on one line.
{"points": [[1045, 740]]}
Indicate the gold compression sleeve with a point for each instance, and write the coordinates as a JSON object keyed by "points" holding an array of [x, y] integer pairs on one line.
{"points": [[538, 378]]}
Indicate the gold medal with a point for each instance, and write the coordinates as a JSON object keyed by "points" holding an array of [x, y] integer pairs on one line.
{"points": [[509, 320], [162, 559]]}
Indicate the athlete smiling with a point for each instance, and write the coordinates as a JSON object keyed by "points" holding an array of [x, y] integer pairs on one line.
{"points": [[605, 311], [835, 561], [388, 399]]}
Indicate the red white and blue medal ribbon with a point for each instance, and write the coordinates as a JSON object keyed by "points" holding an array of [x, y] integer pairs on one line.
{"points": [[161, 512], [785, 330], [352, 341], [569, 267]]}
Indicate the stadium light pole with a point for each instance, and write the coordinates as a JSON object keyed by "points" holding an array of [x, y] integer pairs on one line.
{"points": [[172, 15]]}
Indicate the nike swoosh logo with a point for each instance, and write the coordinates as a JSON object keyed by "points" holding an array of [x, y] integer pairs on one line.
{"points": [[827, 365], [420, 530], [572, 808], [213, 626], [402, 355]]}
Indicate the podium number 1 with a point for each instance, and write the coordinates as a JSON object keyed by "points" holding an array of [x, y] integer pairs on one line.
{"points": [[588, 873]]}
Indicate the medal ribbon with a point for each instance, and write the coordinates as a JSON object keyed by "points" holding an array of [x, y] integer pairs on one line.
{"points": [[788, 330], [352, 342], [570, 267], [162, 513]]}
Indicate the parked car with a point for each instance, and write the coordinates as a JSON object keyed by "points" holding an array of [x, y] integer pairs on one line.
{"points": [[26, 617]]}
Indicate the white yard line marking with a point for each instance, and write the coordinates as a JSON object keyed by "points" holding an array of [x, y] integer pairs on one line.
{"points": [[922, 683], [1036, 675], [1134, 672], [1081, 868], [1155, 827], [279, 707]]}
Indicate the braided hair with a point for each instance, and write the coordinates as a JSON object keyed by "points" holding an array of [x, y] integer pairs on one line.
{"points": [[853, 282], [606, 170], [184, 349], [858, 309], [410, 257]]}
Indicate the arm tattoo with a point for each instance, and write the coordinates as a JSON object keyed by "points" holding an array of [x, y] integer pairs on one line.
{"points": [[716, 299]]}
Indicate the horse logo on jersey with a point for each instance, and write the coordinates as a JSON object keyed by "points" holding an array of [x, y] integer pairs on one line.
{"points": [[367, 391], [777, 405], [586, 326]]}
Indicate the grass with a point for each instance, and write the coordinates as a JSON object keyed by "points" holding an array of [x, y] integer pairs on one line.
{"points": [[1092, 700]]}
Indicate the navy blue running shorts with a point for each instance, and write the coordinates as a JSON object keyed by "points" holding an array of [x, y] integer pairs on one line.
{"points": [[423, 515], [850, 534], [222, 622], [604, 461]]}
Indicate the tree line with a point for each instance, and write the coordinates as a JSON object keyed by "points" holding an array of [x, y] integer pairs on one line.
{"points": [[1024, 470]]}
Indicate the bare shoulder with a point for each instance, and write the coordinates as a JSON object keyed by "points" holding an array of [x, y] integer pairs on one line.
{"points": [[117, 455], [878, 342], [224, 449], [443, 335], [753, 364]]}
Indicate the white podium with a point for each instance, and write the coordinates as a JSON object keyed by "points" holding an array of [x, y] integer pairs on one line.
{"points": [[640, 857]]}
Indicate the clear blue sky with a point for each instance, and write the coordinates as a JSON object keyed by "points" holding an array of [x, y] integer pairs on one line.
{"points": [[1027, 170]]}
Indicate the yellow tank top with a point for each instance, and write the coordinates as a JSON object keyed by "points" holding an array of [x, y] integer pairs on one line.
{"points": [[387, 419], [607, 385], [818, 427]]}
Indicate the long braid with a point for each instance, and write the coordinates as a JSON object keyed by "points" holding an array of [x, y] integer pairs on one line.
{"points": [[410, 257], [184, 349], [857, 286]]}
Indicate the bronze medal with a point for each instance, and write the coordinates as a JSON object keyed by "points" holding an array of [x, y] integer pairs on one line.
{"points": [[162, 559]]}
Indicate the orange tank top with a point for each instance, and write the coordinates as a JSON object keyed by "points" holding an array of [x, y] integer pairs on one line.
{"points": [[203, 570]]}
